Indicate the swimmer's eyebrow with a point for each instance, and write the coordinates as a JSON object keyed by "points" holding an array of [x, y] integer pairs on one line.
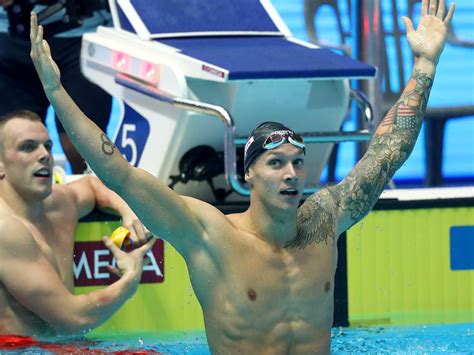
{"points": [[274, 154], [34, 141]]}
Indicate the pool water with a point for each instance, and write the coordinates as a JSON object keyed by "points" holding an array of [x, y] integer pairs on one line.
{"points": [[456, 338]]}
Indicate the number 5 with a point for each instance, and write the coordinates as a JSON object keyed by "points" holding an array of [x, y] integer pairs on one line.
{"points": [[128, 141]]}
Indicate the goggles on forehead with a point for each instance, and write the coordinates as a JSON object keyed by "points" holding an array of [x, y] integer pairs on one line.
{"points": [[275, 139]]}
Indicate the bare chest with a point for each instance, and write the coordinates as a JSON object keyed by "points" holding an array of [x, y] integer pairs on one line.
{"points": [[55, 238], [288, 274], [279, 294]]}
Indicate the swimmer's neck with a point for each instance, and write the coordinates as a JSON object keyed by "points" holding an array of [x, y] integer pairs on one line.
{"points": [[29, 209], [275, 227]]}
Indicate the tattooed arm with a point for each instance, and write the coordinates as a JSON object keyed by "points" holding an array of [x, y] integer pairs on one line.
{"points": [[338, 208], [158, 207]]}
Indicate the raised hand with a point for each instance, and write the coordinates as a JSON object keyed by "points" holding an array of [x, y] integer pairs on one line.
{"points": [[430, 36], [132, 262], [46, 68]]}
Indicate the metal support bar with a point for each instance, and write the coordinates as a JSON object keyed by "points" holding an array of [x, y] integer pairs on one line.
{"points": [[230, 140]]}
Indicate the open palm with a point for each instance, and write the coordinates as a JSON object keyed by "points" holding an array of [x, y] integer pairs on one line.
{"points": [[428, 40]]}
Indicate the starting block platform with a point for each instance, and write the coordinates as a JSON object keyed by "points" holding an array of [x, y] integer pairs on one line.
{"points": [[194, 77]]}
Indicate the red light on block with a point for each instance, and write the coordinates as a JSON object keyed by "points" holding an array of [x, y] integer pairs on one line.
{"points": [[150, 72], [121, 62]]}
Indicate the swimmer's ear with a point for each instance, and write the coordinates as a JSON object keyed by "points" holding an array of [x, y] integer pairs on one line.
{"points": [[248, 176]]}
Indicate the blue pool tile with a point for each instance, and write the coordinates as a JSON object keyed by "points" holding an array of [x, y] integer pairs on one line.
{"points": [[461, 245]]}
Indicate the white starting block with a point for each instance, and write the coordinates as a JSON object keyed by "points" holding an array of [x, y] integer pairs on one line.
{"points": [[193, 73]]}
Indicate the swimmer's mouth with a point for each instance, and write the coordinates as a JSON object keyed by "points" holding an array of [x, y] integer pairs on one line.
{"points": [[44, 173], [289, 192]]}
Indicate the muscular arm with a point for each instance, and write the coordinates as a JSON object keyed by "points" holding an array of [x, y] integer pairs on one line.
{"points": [[89, 193], [157, 206], [32, 280], [335, 209], [389, 149], [396, 136]]}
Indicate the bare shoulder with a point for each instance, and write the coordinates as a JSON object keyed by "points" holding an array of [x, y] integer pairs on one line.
{"points": [[62, 195], [10, 225], [316, 221]]}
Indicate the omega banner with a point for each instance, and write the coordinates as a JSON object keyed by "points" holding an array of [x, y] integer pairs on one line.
{"points": [[91, 260], [160, 304]]}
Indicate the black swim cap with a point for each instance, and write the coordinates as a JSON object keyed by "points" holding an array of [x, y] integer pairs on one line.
{"points": [[254, 146]]}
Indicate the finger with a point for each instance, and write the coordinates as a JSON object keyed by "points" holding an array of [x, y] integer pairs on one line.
{"points": [[39, 37], [424, 7], [140, 229], [408, 24], [33, 27], [441, 9], [114, 270], [133, 235], [449, 16], [46, 48], [139, 234], [433, 7], [149, 235], [111, 246], [145, 248]]}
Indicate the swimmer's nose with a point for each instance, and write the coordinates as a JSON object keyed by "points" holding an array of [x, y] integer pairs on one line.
{"points": [[44, 154], [290, 173]]}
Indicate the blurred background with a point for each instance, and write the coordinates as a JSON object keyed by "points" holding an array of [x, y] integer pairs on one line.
{"points": [[454, 85]]}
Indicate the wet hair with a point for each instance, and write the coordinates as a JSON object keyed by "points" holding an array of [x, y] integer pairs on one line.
{"points": [[254, 145], [21, 114]]}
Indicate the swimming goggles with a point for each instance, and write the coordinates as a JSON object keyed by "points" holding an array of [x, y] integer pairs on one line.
{"points": [[277, 138]]}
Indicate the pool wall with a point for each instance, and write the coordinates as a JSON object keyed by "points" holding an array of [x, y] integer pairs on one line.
{"points": [[412, 265]]}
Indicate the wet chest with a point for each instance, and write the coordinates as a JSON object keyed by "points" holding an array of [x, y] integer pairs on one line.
{"points": [[55, 238], [288, 280]]}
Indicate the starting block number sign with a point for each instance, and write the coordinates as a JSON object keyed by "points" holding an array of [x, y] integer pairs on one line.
{"points": [[132, 135]]}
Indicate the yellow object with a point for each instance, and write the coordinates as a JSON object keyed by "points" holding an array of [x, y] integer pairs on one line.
{"points": [[170, 306], [121, 238], [59, 175]]}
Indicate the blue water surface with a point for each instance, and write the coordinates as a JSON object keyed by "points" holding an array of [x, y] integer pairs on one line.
{"points": [[429, 339]]}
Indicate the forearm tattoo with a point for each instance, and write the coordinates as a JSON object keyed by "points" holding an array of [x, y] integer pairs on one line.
{"points": [[107, 146], [315, 221], [390, 147]]}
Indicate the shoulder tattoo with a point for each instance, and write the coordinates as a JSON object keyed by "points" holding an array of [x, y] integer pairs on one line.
{"points": [[316, 222]]}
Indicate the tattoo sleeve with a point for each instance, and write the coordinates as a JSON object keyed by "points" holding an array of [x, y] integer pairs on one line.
{"points": [[390, 147]]}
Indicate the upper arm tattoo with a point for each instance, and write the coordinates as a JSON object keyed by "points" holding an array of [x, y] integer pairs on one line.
{"points": [[316, 221], [390, 147]]}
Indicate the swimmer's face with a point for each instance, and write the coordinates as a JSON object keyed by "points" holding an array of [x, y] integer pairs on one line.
{"points": [[278, 176], [26, 160]]}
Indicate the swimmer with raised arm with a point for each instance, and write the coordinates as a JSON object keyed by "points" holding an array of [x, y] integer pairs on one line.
{"points": [[37, 228], [264, 277]]}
